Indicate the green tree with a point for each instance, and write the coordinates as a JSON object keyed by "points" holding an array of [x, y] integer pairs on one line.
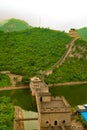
{"points": [[6, 113], [25, 80]]}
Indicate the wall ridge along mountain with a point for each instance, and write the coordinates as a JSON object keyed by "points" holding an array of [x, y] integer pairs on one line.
{"points": [[62, 59]]}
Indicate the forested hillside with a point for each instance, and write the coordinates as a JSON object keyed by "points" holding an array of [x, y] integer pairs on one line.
{"points": [[75, 66], [30, 51]]}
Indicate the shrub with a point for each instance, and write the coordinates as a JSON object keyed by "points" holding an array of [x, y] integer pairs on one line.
{"points": [[25, 80]]}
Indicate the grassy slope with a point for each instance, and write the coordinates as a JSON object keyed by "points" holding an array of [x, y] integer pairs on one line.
{"points": [[28, 52], [75, 95], [14, 25], [75, 66], [83, 33], [21, 98]]}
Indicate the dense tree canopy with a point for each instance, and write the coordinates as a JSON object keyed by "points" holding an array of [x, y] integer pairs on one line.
{"points": [[75, 66], [6, 114], [28, 52], [4, 80]]}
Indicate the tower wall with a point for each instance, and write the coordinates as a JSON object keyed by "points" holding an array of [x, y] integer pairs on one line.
{"points": [[53, 113], [52, 118]]}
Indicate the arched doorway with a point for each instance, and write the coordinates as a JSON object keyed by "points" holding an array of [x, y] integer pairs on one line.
{"points": [[40, 99], [55, 123]]}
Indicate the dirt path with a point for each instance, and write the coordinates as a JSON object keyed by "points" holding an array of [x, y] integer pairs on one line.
{"points": [[49, 85], [13, 77], [14, 88], [62, 59], [68, 83]]}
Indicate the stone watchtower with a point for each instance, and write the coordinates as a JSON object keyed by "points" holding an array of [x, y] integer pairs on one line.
{"points": [[37, 85], [54, 113]]}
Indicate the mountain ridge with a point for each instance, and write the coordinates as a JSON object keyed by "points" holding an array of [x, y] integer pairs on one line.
{"points": [[11, 25]]}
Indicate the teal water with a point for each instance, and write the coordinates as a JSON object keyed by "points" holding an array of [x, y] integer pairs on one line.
{"points": [[84, 115]]}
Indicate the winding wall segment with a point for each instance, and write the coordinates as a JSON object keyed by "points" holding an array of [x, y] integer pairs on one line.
{"points": [[62, 59]]}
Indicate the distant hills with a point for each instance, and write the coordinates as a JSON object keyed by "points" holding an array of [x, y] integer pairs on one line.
{"points": [[79, 33], [82, 33], [13, 24]]}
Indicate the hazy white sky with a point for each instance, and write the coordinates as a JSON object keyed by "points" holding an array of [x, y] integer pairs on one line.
{"points": [[56, 14]]}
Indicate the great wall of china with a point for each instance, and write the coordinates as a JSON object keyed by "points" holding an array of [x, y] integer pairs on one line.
{"points": [[54, 113]]}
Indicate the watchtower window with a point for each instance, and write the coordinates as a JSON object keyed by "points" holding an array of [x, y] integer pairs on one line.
{"points": [[40, 99], [63, 121], [47, 122], [55, 122]]}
